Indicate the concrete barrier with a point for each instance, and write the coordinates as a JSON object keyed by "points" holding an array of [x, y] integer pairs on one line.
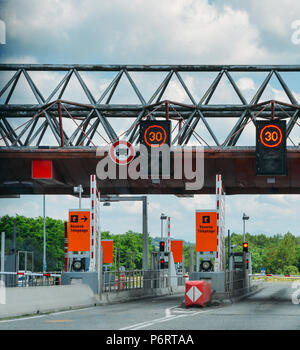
{"points": [[37, 300], [33, 300], [133, 294]]}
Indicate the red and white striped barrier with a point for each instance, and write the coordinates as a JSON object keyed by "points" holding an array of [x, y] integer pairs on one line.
{"points": [[19, 273]]}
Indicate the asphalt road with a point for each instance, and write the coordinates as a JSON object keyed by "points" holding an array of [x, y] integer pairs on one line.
{"points": [[272, 308]]}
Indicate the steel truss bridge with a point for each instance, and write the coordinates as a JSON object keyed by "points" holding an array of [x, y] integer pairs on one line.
{"points": [[41, 130]]}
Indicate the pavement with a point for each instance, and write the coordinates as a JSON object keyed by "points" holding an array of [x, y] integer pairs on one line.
{"points": [[274, 307]]}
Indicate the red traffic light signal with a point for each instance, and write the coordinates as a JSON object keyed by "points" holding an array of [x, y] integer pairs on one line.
{"points": [[161, 246], [162, 263], [245, 247], [247, 264]]}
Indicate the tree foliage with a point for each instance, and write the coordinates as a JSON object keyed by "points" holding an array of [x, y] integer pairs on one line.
{"points": [[279, 254], [29, 237]]}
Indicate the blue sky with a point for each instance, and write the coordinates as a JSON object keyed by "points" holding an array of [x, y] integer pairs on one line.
{"points": [[159, 32]]}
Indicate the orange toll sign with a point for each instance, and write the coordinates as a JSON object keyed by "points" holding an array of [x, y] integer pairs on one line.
{"points": [[108, 251], [79, 230], [177, 250], [206, 231]]}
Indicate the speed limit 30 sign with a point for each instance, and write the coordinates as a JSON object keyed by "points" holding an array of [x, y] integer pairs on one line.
{"points": [[271, 147], [155, 133]]}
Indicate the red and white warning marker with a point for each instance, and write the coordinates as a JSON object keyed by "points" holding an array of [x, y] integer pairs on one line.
{"points": [[194, 294], [122, 152]]}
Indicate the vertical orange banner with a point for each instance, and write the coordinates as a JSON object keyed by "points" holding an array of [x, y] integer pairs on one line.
{"points": [[177, 250], [79, 230], [108, 251], [206, 231]]}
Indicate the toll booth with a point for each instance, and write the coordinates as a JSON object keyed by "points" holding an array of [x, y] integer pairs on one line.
{"points": [[242, 261]]}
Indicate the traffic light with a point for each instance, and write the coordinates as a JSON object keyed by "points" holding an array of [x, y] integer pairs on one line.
{"points": [[271, 147], [247, 264], [162, 263], [245, 247], [161, 246]]}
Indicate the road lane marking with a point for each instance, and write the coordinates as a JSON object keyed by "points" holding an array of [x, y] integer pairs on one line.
{"points": [[58, 321], [145, 323], [162, 319]]}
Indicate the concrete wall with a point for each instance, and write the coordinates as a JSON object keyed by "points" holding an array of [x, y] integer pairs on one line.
{"points": [[32, 300], [217, 279], [132, 294]]}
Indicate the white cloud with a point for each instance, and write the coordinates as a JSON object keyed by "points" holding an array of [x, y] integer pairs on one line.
{"points": [[170, 31], [246, 83]]}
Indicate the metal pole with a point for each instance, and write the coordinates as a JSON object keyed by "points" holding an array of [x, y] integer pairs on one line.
{"points": [[44, 229], [229, 252], [66, 246], [80, 189], [25, 263], [100, 271], [2, 253], [14, 246], [145, 234], [243, 230], [191, 258]]}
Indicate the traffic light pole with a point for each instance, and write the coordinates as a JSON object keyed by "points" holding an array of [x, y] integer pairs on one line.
{"points": [[230, 256]]}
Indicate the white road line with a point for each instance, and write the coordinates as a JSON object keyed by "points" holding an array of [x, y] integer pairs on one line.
{"points": [[162, 319], [145, 323]]}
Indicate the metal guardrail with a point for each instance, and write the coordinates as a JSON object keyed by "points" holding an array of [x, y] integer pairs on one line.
{"points": [[115, 281], [112, 281], [276, 276], [30, 279]]}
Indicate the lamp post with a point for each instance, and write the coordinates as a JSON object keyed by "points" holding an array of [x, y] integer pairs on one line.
{"points": [[245, 217], [162, 218], [44, 234], [78, 189]]}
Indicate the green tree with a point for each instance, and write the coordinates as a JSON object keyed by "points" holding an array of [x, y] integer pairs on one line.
{"points": [[281, 255]]}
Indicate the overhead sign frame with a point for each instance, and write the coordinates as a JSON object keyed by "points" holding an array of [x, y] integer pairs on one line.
{"points": [[155, 133], [271, 147]]}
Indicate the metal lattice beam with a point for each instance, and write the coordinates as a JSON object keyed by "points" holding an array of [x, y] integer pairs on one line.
{"points": [[49, 113]]}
